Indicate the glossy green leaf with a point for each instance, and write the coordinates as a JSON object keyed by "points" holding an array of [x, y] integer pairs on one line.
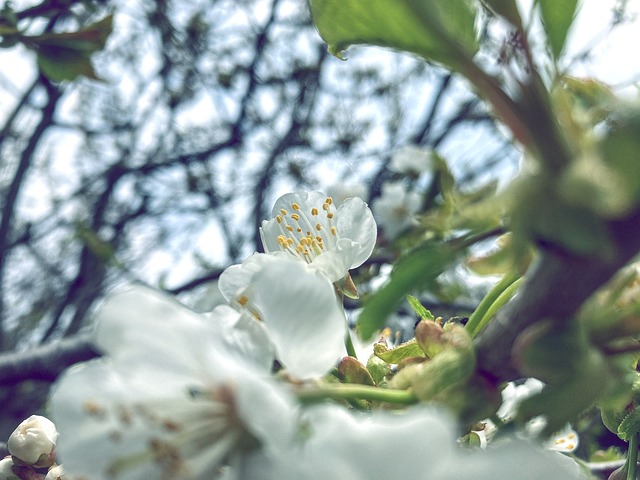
{"points": [[557, 17], [413, 271], [440, 31]]}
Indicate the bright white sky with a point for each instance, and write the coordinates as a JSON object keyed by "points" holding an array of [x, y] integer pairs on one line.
{"points": [[613, 53]]}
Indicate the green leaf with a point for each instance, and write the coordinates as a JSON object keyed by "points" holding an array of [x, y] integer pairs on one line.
{"points": [[505, 8], [413, 271], [422, 312], [619, 150], [58, 64], [440, 31], [89, 39], [543, 214], [630, 425], [557, 17], [65, 56], [395, 355]]}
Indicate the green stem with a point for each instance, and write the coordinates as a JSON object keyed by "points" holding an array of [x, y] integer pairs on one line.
{"points": [[474, 323], [632, 457], [348, 343], [504, 297], [355, 392]]}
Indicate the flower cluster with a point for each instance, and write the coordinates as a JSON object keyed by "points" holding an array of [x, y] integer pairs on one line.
{"points": [[230, 394]]}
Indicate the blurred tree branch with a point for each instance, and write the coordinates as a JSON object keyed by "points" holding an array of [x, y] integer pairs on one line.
{"points": [[45, 363], [554, 289]]}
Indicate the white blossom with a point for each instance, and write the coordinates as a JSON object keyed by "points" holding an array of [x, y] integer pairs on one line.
{"points": [[33, 441], [298, 307], [340, 192], [417, 444], [170, 398], [412, 160], [308, 227], [395, 208], [565, 440]]}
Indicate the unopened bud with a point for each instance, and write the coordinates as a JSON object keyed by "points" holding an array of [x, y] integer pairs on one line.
{"points": [[6, 469], [32, 443], [429, 337], [619, 473]]}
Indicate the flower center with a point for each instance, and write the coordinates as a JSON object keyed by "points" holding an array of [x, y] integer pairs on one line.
{"points": [[307, 235], [186, 437]]}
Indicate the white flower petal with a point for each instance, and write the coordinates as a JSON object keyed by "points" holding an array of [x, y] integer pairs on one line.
{"points": [[302, 315], [245, 336], [412, 160], [378, 446], [355, 221], [395, 208], [237, 277], [515, 459]]}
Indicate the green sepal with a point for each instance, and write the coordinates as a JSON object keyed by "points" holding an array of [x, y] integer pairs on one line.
{"points": [[452, 366], [378, 369], [417, 307], [353, 371], [429, 336], [397, 354], [630, 424], [346, 286]]}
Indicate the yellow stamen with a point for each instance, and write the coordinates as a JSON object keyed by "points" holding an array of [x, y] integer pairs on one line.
{"points": [[314, 211], [243, 300], [278, 219], [318, 227], [283, 211], [329, 215], [295, 216], [295, 206], [289, 227], [334, 231]]}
